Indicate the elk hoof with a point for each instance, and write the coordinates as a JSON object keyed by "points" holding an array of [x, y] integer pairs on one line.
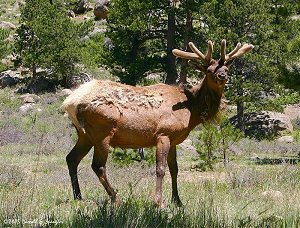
{"points": [[117, 202], [177, 202], [77, 197], [160, 204]]}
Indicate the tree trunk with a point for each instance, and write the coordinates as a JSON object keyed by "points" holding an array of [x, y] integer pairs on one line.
{"points": [[240, 107], [171, 67], [184, 62], [34, 75], [225, 161], [136, 42]]}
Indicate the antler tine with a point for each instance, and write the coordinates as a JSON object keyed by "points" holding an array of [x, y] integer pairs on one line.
{"points": [[235, 50], [223, 50], [197, 52], [208, 56], [226, 57], [243, 50], [184, 54]]}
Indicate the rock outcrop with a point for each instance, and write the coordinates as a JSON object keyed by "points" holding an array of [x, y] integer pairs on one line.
{"points": [[265, 124]]}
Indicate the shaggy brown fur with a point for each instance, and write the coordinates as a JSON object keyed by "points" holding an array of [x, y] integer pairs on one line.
{"points": [[107, 114]]}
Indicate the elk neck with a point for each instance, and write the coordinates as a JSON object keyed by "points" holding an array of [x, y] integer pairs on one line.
{"points": [[204, 102]]}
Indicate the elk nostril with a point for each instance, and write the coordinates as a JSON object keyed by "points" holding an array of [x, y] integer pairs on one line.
{"points": [[222, 76]]}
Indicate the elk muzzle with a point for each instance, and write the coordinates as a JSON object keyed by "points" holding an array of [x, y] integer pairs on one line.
{"points": [[222, 76]]}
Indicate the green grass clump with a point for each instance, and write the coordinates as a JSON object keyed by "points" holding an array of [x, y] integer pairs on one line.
{"points": [[8, 100], [141, 213]]}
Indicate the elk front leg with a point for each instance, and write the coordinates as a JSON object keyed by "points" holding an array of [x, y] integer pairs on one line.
{"points": [[162, 150], [173, 167]]}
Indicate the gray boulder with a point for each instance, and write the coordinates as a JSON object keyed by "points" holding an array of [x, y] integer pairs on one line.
{"points": [[30, 98], [187, 145], [108, 43], [7, 25], [101, 9], [286, 139], [64, 92], [293, 111], [40, 84], [82, 7], [265, 124], [26, 108], [76, 80]]}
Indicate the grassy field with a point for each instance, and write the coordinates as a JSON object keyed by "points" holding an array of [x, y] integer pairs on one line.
{"points": [[35, 188]]}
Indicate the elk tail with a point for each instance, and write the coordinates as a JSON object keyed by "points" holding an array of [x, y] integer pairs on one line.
{"points": [[74, 114], [81, 120]]}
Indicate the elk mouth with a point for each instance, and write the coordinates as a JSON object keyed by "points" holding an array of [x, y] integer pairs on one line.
{"points": [[222, 77]]}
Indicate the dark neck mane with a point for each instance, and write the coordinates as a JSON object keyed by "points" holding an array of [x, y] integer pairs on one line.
{"points": [[205, 103]]}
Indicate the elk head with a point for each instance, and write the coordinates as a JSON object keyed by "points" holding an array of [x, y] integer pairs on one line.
{"points": [[216, 71]]}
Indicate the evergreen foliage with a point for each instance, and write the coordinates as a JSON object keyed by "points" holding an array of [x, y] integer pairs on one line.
{"points": [[49, 39], [214, 140], [137, 30], [124, 157], [5, 47]]}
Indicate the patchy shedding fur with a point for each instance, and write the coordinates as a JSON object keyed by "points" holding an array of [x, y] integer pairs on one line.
{"points": [[96, 93]]}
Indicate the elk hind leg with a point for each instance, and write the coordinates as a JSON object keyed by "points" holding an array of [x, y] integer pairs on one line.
{"points": [[99, 167], [73, 159]]}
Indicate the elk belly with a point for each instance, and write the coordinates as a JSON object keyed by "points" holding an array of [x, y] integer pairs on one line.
{"points": [[135, 130]]}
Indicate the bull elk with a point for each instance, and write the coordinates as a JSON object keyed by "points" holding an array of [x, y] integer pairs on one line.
{"points": [[108, 113]]}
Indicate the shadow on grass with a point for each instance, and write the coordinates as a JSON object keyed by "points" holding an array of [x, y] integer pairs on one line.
{"points": [[139, 213]]}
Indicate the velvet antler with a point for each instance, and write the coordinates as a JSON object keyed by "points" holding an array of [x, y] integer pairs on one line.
{"points": [[238, 51], [196, 54]]}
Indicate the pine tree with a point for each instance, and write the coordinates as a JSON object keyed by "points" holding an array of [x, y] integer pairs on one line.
{"points": [[139, 34], [49, 39]]}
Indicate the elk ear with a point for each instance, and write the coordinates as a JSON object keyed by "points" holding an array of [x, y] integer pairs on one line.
{"points": [[197, 65]]}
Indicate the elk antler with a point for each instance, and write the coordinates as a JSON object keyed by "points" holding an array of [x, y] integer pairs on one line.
{"points": [[238, 51], [197, 53]]}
